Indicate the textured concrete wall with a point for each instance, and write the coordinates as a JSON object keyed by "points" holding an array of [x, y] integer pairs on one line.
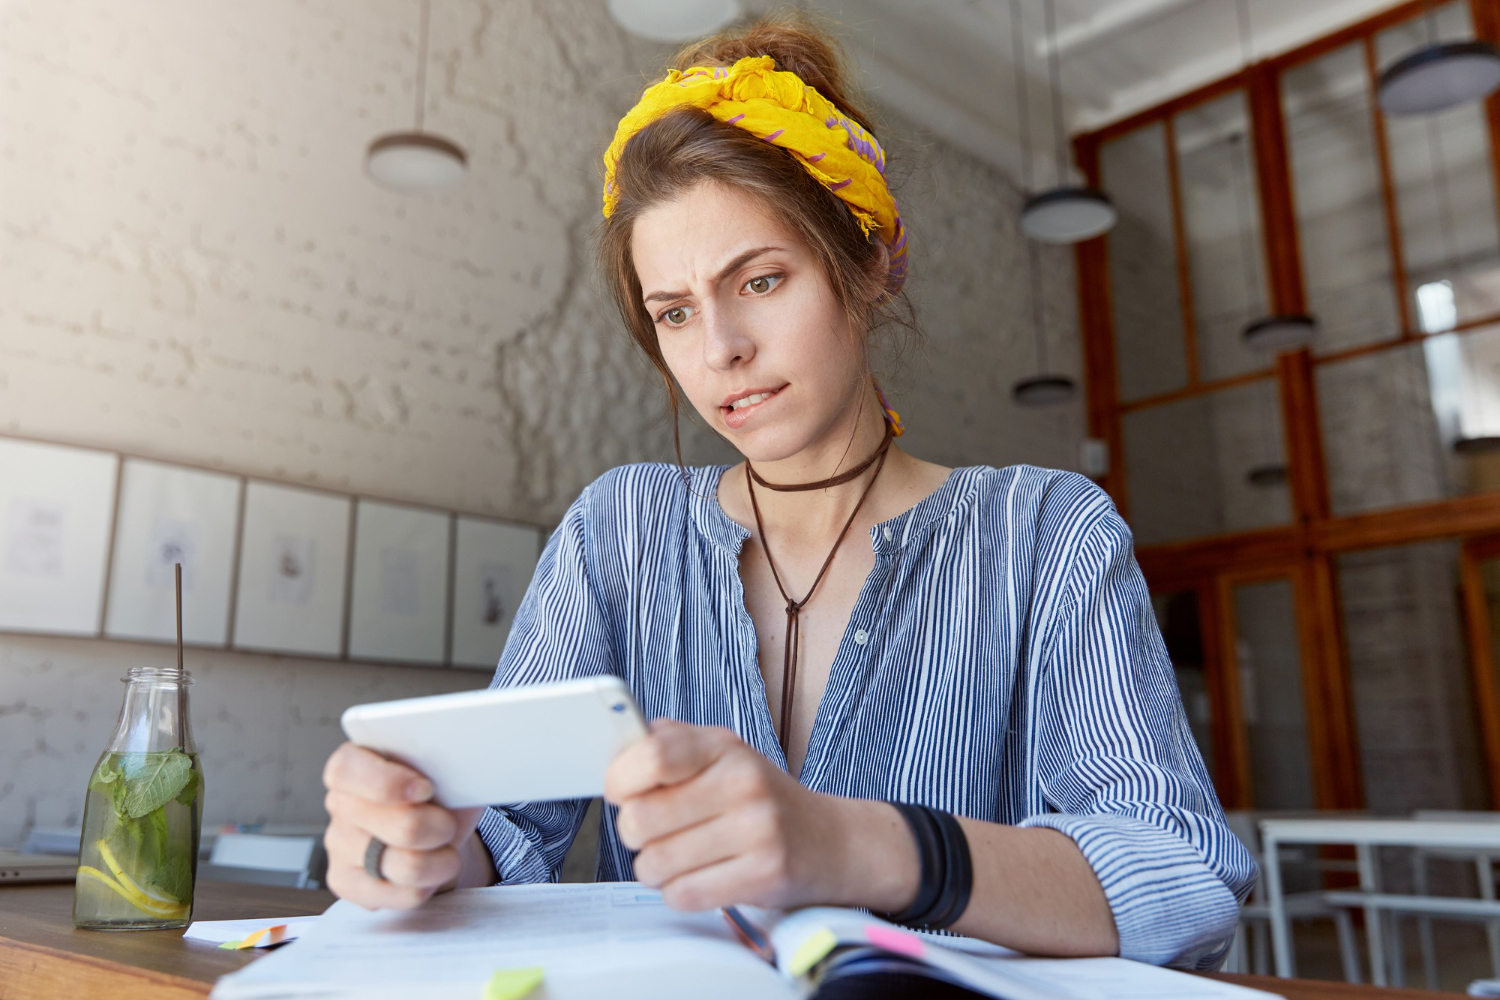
{"points": [[194, 267]]}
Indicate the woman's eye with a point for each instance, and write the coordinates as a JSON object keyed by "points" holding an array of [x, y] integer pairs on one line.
{"points": [[675, 316], [762, 284]]}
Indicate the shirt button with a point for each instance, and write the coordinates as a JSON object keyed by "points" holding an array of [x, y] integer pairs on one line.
{"points": [[861, 636], [887, 531]]}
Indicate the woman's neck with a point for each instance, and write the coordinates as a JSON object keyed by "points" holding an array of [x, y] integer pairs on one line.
{"points": [[811, 516]]}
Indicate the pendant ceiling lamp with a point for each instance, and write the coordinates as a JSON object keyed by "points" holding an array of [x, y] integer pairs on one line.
{"points": [[1044, 388], [1439, 75], [1483, 444], [673, 20], [1065, 213], [1267, 476], [1274, 333], [417, 161], [1272, 472]]}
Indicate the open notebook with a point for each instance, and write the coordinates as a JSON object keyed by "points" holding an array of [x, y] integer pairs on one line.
{"points": [[617, 940]]}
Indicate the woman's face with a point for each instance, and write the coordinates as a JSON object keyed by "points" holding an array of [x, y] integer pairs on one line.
{"points": [[748, 323]]}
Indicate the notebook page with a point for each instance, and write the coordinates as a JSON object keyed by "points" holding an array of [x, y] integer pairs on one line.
{"points": [[615, 939], [807, 935]]}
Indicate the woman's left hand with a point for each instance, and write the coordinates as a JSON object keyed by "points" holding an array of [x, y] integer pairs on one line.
{"points": [[716, 823]]}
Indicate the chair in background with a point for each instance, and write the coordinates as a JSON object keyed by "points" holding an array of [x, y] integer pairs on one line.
{"points": [[267, 859], [1250, 951], [1484, 873]]}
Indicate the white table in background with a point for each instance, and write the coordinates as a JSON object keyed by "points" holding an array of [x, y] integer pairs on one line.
{"points": [[1367, 835]]}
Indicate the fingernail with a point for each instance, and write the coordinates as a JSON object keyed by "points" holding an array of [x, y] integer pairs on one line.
{"points": [[419, 790]]}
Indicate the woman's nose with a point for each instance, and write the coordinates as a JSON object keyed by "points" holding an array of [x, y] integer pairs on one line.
{"points": [[725, 343]]}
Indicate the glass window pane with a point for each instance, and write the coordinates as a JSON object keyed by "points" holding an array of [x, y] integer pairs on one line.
{"points": [[1270, 667], [1346, 259], [1143, 265], [1445, 193], [1206, 465], [1221, 219], [1177, 615], [1413, 703], [1412, 423]]}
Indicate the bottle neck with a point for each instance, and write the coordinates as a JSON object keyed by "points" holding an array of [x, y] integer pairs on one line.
{"points": [[154, 716]]}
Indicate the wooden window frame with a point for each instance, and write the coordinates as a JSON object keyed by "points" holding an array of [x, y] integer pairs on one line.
{"points": [[1306, 548]]}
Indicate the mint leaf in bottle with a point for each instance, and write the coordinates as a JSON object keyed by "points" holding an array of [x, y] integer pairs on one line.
{"points": [[153, 780], [175, 878], [190, 790]]}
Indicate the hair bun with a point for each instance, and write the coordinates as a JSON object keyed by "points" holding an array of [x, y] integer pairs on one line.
{"points": [[796, 43]]}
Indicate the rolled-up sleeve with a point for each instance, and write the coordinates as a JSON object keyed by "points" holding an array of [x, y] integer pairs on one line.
{"points": [[560, 632], [1118, 764]]}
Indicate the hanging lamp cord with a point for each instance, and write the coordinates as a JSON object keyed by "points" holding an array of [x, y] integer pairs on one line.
{"points": [[1023, 113], [422, 63], [1055, 73]]}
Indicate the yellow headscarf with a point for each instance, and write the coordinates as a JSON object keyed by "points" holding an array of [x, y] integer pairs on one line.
{"points": [[779, 108]]}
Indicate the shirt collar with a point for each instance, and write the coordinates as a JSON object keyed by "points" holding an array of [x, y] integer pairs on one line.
{"points": [[906, 528], [709, 517]]}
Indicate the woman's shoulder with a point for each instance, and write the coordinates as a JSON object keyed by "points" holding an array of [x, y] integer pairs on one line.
{"points": [[1032, 491], [643, 493], [641, 486]]}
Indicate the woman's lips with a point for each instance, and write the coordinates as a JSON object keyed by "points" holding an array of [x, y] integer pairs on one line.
{"points": [[736, 419]]}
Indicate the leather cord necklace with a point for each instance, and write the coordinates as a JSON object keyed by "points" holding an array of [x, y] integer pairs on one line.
{"points": [[794, 608]]}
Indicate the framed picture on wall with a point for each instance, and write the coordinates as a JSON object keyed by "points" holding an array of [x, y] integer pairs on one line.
{"points": [[56, 508], [493, 563], [398, 609], [169, 515], [294, 563]]}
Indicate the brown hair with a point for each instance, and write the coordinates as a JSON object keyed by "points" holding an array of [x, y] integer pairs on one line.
{"points": [[688, 145]]}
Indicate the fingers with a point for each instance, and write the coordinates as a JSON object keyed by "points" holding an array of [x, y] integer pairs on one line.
{"points": [[421, 828], [398, 865], [672, 753], [354, 769], [370, 796], [354, 884], [690, 849], [734, 779], [746, 878]]}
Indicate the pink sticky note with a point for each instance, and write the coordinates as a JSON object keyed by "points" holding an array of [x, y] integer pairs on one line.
{"points": [[896, 941]]}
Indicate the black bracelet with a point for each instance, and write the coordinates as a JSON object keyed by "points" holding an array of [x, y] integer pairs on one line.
{"points": [[947, 878], [958, 878], [929, 856]]}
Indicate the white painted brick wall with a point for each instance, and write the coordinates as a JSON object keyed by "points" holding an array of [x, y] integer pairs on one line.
{"points": [[193, 266]]}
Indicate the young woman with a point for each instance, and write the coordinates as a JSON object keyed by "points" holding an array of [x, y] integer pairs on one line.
{"points": [[960, 667]]}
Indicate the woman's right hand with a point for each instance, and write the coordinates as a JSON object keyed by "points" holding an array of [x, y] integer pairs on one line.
{"points": [[428, 847]]}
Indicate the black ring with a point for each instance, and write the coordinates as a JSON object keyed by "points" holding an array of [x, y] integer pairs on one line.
{"points": [[373, 855]]}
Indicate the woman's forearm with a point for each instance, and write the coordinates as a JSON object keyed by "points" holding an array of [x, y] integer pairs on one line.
{"points": [[1033, 889]]}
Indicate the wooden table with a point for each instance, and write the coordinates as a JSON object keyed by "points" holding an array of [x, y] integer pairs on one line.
{"points": [[42, 957]]}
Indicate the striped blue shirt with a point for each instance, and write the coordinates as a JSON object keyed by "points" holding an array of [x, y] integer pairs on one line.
{"points": [[1002, 662]]}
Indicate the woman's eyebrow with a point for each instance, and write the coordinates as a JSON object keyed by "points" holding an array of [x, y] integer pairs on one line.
{"points": [[724, 272]]}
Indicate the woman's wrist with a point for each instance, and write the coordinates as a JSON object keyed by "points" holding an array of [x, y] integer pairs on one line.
{"points": [[877, 861], [475, 866]]}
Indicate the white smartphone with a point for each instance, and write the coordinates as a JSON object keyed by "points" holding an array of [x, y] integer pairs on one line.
{"points": [[520, 744]]}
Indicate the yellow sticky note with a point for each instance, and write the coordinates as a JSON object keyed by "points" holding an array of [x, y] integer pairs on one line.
{"points": [[513, 984], [812, 951]]}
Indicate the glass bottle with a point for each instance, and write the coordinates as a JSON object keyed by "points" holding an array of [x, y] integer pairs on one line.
{"points": [[138, 856]]}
